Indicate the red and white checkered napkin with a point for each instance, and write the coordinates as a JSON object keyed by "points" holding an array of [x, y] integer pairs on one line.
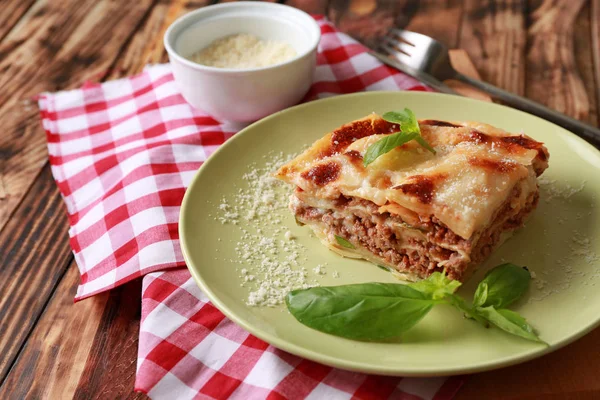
{"points": [[202, 354], [122, 154]]}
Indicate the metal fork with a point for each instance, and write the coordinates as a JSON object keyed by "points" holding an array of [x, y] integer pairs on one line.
{"points": [[422, 53]]}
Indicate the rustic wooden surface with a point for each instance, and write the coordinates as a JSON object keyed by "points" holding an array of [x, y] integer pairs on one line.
{"points": [[51, 348]]}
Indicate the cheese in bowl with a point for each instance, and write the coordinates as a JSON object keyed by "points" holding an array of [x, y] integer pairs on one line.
{"points": [[439, 198], [244, 50], [243, 61]]}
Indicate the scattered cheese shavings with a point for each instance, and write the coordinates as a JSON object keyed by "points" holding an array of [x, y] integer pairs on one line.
{"points": [[289, 235], [561, 278], [270, 256], [319, 269], [554, 191]]}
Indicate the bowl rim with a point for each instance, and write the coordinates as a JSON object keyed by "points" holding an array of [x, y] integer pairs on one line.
{"points": [[312, 24]]}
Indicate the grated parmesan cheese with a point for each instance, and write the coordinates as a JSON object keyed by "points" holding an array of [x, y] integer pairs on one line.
{"points": [[553, 191], [243, 51], [319, 269], [270, 258], [289, 235], [562, 275]]}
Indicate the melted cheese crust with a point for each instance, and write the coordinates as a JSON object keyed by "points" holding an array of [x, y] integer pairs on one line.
{"points": [[472, 173]]}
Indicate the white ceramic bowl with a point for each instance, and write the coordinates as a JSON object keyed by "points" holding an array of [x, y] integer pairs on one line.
{"points": [[243, 95]]}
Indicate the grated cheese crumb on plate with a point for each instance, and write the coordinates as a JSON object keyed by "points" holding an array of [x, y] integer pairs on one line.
{"points": [[289, 235], [268, 256]]}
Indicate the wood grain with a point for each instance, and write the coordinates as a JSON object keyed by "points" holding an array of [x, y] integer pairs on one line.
{"points": [[310, 6], [110, 368], [493, 34], [584, 60], [595, 44], [462, 63], [97, 360], [439, 19], [58, 45], [146, 45], [553, 78], [12, 12], [53, 360], [369, 20], [568, 371], [35, 253]]}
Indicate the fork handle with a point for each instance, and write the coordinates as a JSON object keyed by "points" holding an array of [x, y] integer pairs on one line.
{"points": [[583, 130]]}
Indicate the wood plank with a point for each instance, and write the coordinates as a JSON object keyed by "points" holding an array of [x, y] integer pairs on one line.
{"points": [[146, 46], [595, 28], [567, 372], [52, 361], [28, 277], [365, 23], [584, 60], [111, 365], [493, 34], [552, 76], [439, 19], [83, 350], [12, 11], [462, 63], [59, 45], [368, 21], [310, 6]]}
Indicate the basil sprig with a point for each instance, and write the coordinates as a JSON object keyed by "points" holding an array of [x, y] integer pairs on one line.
{"points": [[379, 311], [409, 130]]}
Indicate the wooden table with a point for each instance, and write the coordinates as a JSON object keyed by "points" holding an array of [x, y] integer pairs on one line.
{"points": [[50, 347]]}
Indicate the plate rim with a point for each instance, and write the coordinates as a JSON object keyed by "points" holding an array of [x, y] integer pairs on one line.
{"points": [[345, 363]]}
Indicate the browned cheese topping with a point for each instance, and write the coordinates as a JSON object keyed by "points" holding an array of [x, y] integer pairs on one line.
{"points": [[322, 174]]}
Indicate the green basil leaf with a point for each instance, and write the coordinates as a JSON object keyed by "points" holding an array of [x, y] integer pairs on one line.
{"points": [[505, 284], [367, 311], [436, 286], [383, 267], [468, 311], [481, 293], [343, 242], [424, 143], [408, 123], [386, 145], [509, 321], [405, 118]]}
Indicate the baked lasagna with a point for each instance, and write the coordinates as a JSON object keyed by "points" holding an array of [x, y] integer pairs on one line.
{"points": [[411, 210]]}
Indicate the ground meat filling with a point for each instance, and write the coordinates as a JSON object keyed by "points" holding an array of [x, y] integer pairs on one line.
{"points": [[381, 240], [437, 232], [420, 257]]}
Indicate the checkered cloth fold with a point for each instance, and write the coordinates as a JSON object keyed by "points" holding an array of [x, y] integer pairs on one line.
{"points": [[122, 154]]}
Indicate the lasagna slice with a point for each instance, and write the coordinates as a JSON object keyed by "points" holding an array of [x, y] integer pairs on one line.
{"points": [[411, 210]]}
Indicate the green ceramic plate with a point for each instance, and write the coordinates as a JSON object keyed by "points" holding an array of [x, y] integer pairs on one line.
{"points": [[560, 244]]}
